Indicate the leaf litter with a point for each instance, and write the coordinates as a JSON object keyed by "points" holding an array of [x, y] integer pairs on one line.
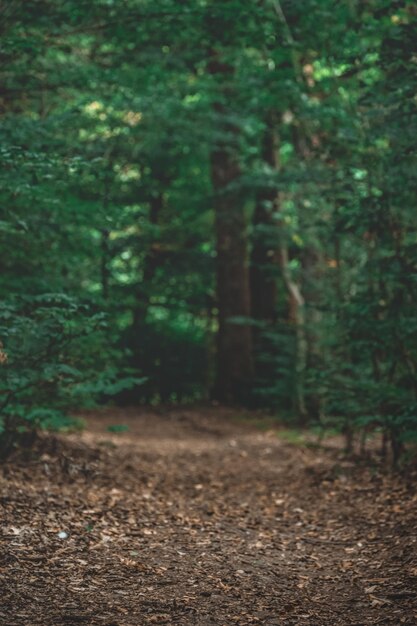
{"points": [[190, 517]]}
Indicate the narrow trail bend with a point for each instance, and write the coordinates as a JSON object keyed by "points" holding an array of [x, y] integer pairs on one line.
{"points": [[195, 518]]}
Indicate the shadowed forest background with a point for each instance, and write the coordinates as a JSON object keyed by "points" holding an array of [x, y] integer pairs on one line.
{"points": [[209, 200]]}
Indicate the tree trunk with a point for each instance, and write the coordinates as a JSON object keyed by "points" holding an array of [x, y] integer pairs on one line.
{"points": [[264, 260], [150, 264], [234, 340], [138, 334], [297, 318], [264, 265]]}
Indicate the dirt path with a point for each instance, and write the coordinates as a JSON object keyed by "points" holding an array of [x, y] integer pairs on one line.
{"points": [[194, 518]]}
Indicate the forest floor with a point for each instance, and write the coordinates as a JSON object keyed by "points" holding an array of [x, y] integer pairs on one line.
{"points": [[198, 518]]}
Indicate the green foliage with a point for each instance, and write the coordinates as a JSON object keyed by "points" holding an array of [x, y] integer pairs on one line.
{"points": [[39, 368], [117, 428], [110, 116]]}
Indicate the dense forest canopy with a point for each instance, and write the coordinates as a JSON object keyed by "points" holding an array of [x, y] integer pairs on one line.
{"points": [[210, 199]]}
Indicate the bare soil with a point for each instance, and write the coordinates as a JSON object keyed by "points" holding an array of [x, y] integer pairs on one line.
{"points": [[198, 518]]}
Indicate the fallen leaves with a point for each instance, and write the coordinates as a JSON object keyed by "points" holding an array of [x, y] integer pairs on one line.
{"points": [[202, 526]]}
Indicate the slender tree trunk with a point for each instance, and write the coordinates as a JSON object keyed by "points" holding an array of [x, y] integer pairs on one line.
{"points": [[297, 318], [264, 260], [139, 344], [234, 344], [268, 255], [150, 263], [312, 264], [234, 340], [305, 318], [264, 265]]}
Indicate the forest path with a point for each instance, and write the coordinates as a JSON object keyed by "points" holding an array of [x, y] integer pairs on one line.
{"points": [[195, 518]]}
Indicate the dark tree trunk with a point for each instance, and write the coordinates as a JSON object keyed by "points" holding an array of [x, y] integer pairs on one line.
{"points": [[234, 340], [264, 260], [150, 264], [264, 264], [139, 334], [234, 348]]}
